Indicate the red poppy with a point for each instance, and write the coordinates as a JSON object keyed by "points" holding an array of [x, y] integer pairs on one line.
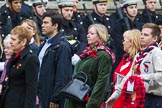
{"points": [[92, 53], [132, 100], [18, 65]]}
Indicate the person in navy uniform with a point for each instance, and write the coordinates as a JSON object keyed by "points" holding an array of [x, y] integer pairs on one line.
{"points": [[22, 72], [98, 15], [78, 16], [11, 16], [130, 21], [74, 32], [26, 9], [55, 62], [38, 9], [118, 14], [149, 14]]}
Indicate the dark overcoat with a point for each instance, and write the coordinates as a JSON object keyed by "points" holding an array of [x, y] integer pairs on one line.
{"points": [[148, 17], [55, 71], [77, 31], [118, 34], [22, 75]]}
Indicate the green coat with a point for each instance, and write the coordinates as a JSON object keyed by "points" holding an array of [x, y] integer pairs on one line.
{"points": [[98, 71]]}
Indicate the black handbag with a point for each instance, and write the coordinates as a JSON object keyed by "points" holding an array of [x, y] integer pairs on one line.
{"points": [[76, 89]]}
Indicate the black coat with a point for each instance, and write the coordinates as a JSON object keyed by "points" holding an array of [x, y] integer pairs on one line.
{"points": [[55, 71], [105, 20], [146, 16], [118, 35], [9, 20], [77, 32], [78, 17], [34, 48], [22, 75]]}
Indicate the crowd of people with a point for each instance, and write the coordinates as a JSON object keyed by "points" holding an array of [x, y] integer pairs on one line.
{"points": [[41, 50]]}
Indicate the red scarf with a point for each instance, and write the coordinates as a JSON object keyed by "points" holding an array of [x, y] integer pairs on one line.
{"points": [[129, 100], [18, 54], [92, 51], [142, 55]]}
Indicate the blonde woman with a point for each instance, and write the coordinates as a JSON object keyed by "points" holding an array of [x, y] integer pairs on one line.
{"points": [[131, 45], [32, 27], [96, 62], [147, 64]]}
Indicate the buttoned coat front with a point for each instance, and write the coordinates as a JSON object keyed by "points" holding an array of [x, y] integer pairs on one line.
{"points": [[22, 75]]}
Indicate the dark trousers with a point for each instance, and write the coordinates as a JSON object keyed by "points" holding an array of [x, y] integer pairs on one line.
{"points": [[152, 101]]}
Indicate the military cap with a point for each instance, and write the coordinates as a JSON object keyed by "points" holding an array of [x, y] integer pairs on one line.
{"points": [[99, 1], [65, 3], [37, 2], [125, 3]]}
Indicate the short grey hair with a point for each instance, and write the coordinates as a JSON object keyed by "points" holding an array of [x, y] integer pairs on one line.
{"points": [[7, 39]]}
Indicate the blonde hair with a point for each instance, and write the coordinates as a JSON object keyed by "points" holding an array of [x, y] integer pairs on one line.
{"points": [[134, 37], [102, 32], [34, 26]]}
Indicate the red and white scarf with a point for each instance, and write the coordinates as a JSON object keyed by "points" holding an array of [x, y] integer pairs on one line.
{"points": [[141, 56], [92, 51]]}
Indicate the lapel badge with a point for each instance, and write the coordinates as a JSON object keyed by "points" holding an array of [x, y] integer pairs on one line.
{"points": [[18, 65], [146, 65], [146, 70]]}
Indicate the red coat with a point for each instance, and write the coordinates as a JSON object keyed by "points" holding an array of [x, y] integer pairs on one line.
{"points": [[123, 68]]}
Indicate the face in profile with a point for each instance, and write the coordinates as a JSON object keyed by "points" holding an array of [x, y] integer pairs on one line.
{"points": [[131, 10], [16, 44], [146, 37], [127, 44], [47, 27], [8, 50], [92, 36]]}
